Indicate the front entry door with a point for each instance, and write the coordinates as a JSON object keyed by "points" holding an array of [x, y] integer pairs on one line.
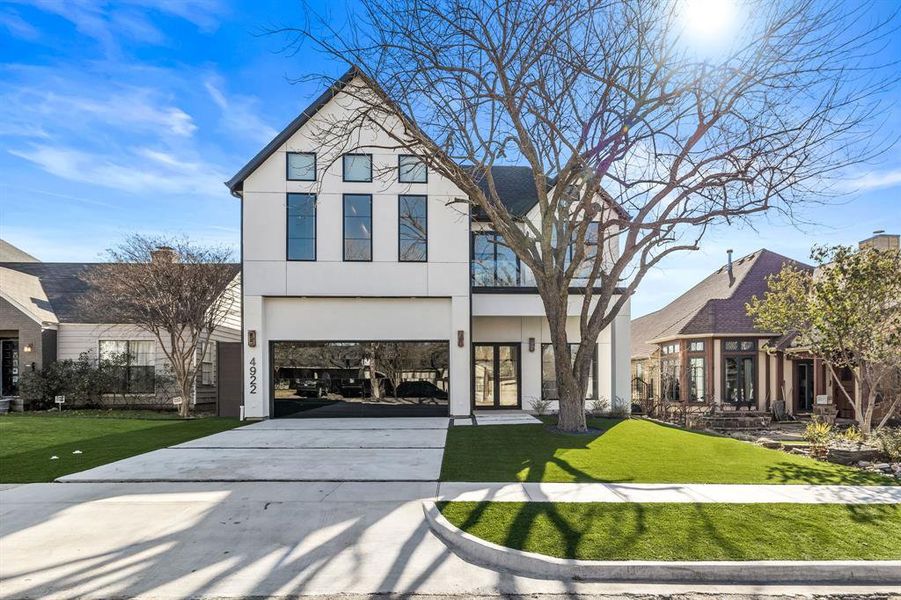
{"points": [[496, 376], [804, 386]]}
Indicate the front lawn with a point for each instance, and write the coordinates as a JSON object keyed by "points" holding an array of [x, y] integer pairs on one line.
{"points": [[686, 531], [631, 450], [27, 442]]}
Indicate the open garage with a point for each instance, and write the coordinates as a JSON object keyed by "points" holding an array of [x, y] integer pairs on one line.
{"points": [[359, 379]]}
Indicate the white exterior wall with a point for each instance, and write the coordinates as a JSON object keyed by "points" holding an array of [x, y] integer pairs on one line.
{"points": [[332, 300]]}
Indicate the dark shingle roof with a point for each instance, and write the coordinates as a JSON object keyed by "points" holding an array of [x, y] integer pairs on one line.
{"points": [[63, 285], [515, 188], [713, 306]]}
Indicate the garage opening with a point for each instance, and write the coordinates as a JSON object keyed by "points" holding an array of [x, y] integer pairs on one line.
{"points": [[360, 379]]}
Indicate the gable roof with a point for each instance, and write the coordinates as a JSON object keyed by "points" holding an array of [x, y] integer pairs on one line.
{"points": [[62, 284], [514, 184], [713, 306], [10, 253], [25, 293]]}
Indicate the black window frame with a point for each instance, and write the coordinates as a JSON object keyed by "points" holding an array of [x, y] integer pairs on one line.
{"points": [[344, 167], [344, 229], [400, 172], [494, 282], [288, 166], [595, 367], [425, 201], [288, 226]]}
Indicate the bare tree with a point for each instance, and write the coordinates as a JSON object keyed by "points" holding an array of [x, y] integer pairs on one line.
{"points": [[623, 121], [178, 291]]}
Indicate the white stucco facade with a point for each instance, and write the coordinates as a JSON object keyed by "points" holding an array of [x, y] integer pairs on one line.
{"points": [[329, 299]]}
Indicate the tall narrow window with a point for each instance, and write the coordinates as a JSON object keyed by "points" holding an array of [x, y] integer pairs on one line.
{"points": [[592, 235], [411, 169], [301, 226], [358, 167], [357, 227], [301, 166], [413, 229]]}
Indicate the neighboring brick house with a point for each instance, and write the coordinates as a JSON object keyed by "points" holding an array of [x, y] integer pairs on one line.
{"points": [[703, 351], [42, 320]]}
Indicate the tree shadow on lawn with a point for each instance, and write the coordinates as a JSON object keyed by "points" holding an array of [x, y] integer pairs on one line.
{"points": [[787, 472]]}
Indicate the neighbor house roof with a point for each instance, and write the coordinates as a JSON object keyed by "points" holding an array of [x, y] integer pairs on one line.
{"points": [[514, 184], [62, 284], [714, 306], [25, 292], [10, 253]]}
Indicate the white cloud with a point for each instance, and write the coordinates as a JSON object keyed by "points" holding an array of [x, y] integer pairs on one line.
{"points": [[239, 114], [128, 20], [873, 180], [18, 26], [143, 170]]}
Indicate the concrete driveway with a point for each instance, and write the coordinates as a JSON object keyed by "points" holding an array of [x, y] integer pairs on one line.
{"points": [[392, 449]]}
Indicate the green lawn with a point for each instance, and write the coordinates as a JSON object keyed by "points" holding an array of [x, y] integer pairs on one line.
{"points": [[28, 441], [632, 450], [687, 531]]}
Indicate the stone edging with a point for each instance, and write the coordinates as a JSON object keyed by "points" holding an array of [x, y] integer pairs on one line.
{"points": [[484, 553]]}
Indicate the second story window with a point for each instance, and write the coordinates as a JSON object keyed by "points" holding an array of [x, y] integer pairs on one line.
{"points": [[413, 229], [357, 227], [301, 166], [494, 264], [357, 167], [411, 169], [301, 227]]}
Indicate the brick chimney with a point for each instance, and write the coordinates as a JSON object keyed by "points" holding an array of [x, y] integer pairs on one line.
{"points": [[164, 254], [881, 241]]}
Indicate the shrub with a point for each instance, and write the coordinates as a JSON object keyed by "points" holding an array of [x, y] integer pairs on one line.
{"points": [[817, 434], [540, 406], [851, 435], [889, 439], [599, 406]]}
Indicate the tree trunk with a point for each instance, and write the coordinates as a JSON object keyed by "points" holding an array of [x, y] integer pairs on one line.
{"points": [[186, 388]]}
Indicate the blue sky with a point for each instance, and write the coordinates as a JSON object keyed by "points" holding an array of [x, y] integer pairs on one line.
{"points": [[127, 116]]}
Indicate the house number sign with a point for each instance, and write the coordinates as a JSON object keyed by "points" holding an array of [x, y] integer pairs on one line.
{"points": [[252, 372]]}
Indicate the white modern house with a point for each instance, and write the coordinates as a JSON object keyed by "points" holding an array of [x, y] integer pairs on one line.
{"points": [[369, 289]]}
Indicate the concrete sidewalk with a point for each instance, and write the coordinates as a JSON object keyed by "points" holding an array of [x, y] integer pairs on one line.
{"points": [[669, 492], [261, 539]]}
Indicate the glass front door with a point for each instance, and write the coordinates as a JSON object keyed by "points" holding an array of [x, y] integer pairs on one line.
{"points": [[805, 386], [496, 375]]}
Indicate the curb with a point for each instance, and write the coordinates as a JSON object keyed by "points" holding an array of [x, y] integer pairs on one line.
{"points": [[487, 554]]}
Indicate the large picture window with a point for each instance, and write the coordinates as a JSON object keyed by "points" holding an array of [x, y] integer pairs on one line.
{"points": [[549, 377], [494, 263], [357, 167], [412, 212], [357, 227], [131, 361], [301, 227]]}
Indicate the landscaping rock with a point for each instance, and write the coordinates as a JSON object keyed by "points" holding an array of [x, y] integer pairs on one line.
{"points": [[768, 443], [884, 467], [844, 456]]}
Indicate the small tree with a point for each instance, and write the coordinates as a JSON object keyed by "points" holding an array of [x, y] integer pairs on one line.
{"points": [[848, 313], [177, 290]]}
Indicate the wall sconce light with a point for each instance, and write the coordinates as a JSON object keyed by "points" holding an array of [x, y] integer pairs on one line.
{"points": [[460, 338], [28, 348], [252, 338], [531, 344]]}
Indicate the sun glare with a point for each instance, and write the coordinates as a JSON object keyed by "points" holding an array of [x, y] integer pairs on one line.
{"points": [[707, 22]]}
